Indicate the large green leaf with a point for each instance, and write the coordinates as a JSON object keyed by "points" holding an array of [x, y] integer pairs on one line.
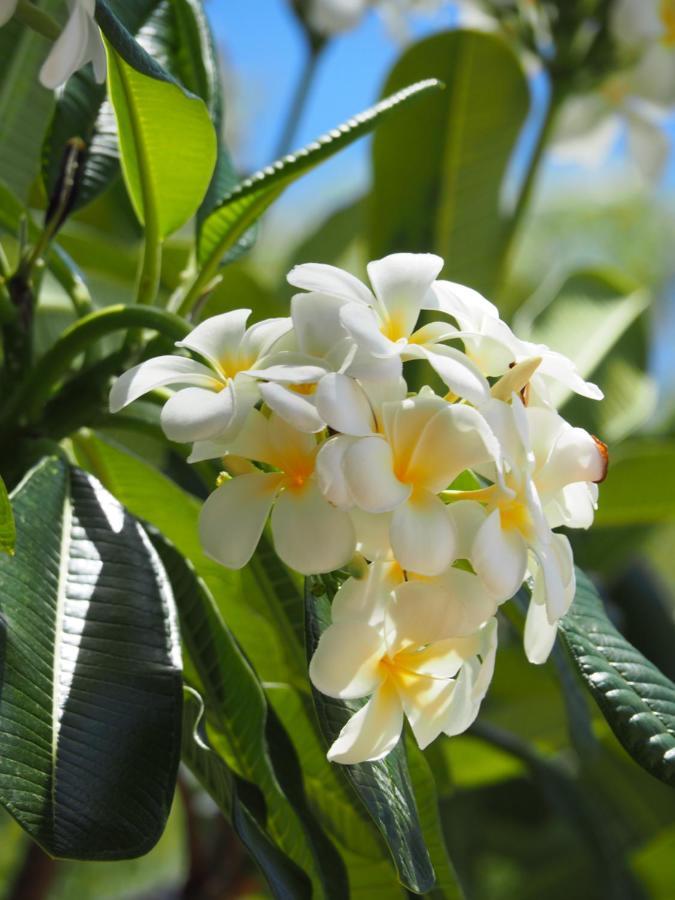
{"points": [[286, 880], [238, 723], [640, 485], [637, 700], [245, 204], [83, 111], [167, 161], [439, 168], [384, 787], [90, 709], [7, 526], [25, 106]]}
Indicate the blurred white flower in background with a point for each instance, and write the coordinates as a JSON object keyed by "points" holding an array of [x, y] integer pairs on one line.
{"points": [[7, 10], [331, 17]]}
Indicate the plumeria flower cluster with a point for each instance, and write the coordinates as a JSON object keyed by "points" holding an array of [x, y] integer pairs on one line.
{"points": [[79, 43], [441, 502]]}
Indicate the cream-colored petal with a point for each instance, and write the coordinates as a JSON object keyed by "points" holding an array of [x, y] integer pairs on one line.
{"points": [[556, 568], [260, 339], [310, 535], [233, 517], [372, 732], [401, 283], [423, 534], [197, 414], [159, 372], [344, 406], [346, 663], [7, 9], [458, 372], [69, 51], [329, 280], [368, 466], [364, 327], [372, 534], [329, 471], [367, 599], [499, 557], [218, 337], [296, 409], [539, 636], [468, 516], [425, 703]]}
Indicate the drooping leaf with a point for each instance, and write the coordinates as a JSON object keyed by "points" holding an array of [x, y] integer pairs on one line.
{"points": [[90, 708], [384, 787], [286, 880], [7, 526], [25, 106], [637, 700], [439, 168], [167, 161], [245, 203], [238, 724]]}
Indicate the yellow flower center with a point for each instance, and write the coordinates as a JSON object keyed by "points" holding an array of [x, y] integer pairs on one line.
{"points": [[394, 328], [233, 365], [515, 516], [305, 389]]}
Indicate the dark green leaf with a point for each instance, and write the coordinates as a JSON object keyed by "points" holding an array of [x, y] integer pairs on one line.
{"points": [[286, 880], [640, 485], [7, 526], [90, 709], [439, 168], [384, 786], [246, 203], [237, 723], [637, 700]]}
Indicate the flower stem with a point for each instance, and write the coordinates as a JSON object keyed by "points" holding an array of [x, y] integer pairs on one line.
{"points": [[300, 98], [151, 268], [37, 19]]}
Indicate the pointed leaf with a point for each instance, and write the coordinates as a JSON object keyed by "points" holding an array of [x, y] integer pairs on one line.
{"points": [[439, 169], [90, 708], [7, 526], [246, 203], [637, 700], [384, 787]]}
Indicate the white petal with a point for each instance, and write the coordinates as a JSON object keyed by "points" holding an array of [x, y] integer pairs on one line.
{"points": [[464, 304], [372, 732], [69, 51], [574, 507], [203, 450], [329, 280], [260, 338], [367, 599], [296, 409], [364, 327], [254, 440], [197, 414], [372, 533], [316, 322], [218, 337], [287, 367], [425, 703], [648, 145], [310, 535], [540, 635], [456, 371], [329, 471], [233, 517], [556, 567], [558, 368], [423, 535], [401, 283], [96, 53], [346, 663], [7, 8], [158, 372], [468, 516], [344, 406], [499, 557], [575, 456], [368, 468]]}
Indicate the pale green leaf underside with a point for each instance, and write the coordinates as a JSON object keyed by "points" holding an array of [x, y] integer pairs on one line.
{"points": [[637, 700], [7, 526], [91, 697]]}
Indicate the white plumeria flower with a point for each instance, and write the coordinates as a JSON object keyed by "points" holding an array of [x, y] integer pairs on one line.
{"points": [[494, 348], [305, 382], [7, 10], [426, 443], [331, 17], [80, 42], [399, 645], [218, 396], [382, 322], [310, 535], [550, 479]]}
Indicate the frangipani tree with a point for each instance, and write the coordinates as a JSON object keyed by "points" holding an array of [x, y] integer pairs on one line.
{"points": [[295, 548]]}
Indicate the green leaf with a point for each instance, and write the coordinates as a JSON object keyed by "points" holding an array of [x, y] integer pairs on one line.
{"points": [[384, 787], [640, 485], [245, 204], [286, 880], [25, 106], [439, 168], [167, 161], [7, 526], [238, 723], [83, 111], [637, 700], [90, 708]]}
